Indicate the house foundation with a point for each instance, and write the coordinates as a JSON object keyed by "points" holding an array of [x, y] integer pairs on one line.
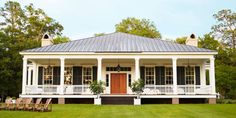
{"points": [[61, 100], [212, 100], [175, 100]]}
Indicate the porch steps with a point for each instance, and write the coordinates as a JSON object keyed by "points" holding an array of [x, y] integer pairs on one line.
{"points": [[117, 100]]}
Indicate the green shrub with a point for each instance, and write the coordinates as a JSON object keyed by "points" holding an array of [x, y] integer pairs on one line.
{"points": [[97, 87], [226, 101]]}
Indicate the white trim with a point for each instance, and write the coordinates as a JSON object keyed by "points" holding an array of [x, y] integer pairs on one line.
{"points": [[58, 96], [94, 96], [178, 96], [121, 56], [66, 53]]}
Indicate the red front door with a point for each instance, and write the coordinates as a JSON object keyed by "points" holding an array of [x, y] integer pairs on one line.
{"points": [[118, 83]]}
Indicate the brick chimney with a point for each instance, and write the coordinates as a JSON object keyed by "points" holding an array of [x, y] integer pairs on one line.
{"points": [[46, 40], [192, 40]]}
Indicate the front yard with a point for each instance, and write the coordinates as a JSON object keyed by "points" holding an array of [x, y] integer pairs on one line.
{"points": [[129, 111]]}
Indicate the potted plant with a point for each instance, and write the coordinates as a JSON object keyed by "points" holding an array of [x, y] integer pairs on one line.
{"points": [[137, 87], [97, 88]]}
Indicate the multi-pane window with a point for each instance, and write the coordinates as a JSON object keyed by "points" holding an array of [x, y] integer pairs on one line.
{"points": [[87, 75], [169, 75], [149, 75], [68, 75], [47, 75], [189, 75]]}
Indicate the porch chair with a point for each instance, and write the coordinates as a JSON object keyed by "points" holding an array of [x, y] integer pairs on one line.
{"points": [[16, 105], [45, 107], [8, 103], [25, 104], [36, 105]]}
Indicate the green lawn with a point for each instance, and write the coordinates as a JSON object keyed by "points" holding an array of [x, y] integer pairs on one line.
{"points": [[129, 111]]}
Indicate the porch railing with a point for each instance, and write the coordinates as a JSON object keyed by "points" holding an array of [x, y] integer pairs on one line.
{"points": [[148, 89], [181, 89], [56, 89], [194, 89], [77, 89], [158, 89]]}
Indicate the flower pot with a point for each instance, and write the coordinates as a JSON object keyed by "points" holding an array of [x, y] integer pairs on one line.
{"points": [[97, 101], [137, 101]]}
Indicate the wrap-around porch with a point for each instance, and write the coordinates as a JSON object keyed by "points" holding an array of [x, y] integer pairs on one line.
{"points": [[162, 76]]}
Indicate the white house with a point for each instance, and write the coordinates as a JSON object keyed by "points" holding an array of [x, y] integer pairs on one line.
{"points": [[169, 70]]}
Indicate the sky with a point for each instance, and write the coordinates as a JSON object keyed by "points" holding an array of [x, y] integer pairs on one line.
{"points": [[173, 18]]}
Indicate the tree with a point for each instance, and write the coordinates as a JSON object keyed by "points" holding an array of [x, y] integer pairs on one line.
{"points": [[209, 42], [225, 81], [60, 39], [20, 29], [141, 27], [181, 40], [226, 27], [99, 34]]}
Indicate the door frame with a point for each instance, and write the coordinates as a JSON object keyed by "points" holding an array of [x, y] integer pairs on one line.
{"points": [[127, 80]]}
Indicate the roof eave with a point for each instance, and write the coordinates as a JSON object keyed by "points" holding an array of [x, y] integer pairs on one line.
{"points": [[69, 53]]}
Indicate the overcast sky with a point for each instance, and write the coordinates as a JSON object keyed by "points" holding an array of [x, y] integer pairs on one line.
{"points": [[173, 18]]}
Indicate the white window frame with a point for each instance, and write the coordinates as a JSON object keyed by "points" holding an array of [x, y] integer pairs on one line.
{"points": [[84, 75], [154, 77], [171, 68], [190, 75], [44, 76], [65, 75]]}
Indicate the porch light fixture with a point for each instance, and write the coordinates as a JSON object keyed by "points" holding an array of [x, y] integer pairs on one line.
{"points": [[118, 68], [49, 66], [188, 66]]}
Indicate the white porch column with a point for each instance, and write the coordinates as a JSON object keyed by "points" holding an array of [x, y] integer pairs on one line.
{"points": [[212, 75], [174, 66], [99, 69], [203, 73], [137, 71], [29, 75], [34, 73], [62, 75], [24, 74]]}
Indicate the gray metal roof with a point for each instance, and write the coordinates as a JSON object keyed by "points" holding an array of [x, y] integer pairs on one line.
{"points": [[117, 43]]}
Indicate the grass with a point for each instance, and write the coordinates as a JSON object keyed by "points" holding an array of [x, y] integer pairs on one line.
{"points": [[129, 111]]}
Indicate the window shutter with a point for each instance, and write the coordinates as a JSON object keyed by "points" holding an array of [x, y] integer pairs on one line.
{"points": [[56, 75], [142, 73], [197, 75], [160, 80], [95, 69], [181, 75], [40, 76], [77, 75], [162, 75]]}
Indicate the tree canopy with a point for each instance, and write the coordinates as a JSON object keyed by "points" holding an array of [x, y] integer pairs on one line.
{"points": [[20, 28], [226, 27], [181, 40], [141, 27], [60, 39]]}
